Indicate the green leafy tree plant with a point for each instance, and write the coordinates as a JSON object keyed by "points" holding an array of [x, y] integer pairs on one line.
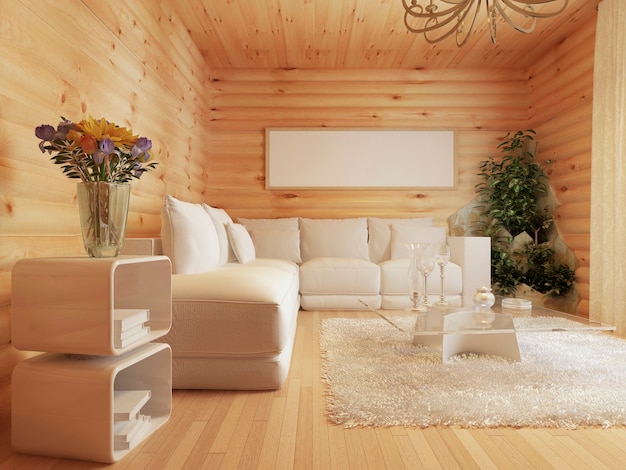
{"points": [[509, 192]]}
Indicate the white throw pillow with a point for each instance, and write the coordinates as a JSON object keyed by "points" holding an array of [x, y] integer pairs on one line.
{"points": [[333, 238], [380, 235], [241, 242], [220, 218], [282, 223], [189, 237], [402, 234], [280, 244]]}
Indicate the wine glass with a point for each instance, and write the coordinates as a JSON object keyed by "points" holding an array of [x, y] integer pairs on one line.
{"points": [[442, 256], [414, 275], [415, 284], [426, 264]]}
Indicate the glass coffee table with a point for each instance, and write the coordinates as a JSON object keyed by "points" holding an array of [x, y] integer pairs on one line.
{"points": [[467, 329]]}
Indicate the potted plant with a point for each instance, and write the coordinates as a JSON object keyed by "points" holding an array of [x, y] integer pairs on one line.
{"points": [[513, 211]]}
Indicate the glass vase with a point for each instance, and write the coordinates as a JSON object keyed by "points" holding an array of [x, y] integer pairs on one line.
{"points": [[103, 209]]}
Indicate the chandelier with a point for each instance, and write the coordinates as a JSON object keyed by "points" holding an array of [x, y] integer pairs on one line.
{"points": [[438, 19]]}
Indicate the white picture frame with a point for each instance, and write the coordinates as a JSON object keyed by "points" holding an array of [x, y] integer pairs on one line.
{"points": [[320, 158]]}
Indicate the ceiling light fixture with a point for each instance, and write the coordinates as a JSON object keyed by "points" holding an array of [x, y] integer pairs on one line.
{"points": [[438, 19]]}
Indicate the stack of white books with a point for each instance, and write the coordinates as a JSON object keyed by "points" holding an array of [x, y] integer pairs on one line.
{"points": [[130, 426], [129, 325]]}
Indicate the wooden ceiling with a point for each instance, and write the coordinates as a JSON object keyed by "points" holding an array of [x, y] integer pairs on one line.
{"points": [[357, 34]]}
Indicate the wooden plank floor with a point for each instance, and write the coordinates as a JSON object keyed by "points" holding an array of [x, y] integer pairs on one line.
{"points": [[287, 429]]}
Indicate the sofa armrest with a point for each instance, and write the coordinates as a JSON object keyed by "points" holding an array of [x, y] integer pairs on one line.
{"points": [[142, 246], [473, 254]]}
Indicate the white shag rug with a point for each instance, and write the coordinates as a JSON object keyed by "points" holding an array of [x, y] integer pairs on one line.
{"points": [[375, 376]]}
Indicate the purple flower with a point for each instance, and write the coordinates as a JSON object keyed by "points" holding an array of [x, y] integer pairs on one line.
{"points": [[63, 128], [46, 133], [141, 147], [107, 147]]}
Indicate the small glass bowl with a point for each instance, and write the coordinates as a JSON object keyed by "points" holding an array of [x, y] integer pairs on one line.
{"points": [[514, 303]]}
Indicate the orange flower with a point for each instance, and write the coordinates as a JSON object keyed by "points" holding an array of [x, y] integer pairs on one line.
{"points": [[88, 143]]}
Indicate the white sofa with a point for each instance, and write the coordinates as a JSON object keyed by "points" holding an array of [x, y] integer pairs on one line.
{"points": [[344, 262], [237, 287]]}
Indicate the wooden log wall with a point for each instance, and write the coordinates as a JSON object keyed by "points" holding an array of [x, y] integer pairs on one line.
{"points": [[481, 105], [130, 62], [561, 88]]}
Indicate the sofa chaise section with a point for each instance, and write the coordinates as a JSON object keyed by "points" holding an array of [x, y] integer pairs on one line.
{"points": [[233, 327], [233, 316]]}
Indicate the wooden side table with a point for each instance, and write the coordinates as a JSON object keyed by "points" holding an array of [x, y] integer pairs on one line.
{"points": [[103, 386]]}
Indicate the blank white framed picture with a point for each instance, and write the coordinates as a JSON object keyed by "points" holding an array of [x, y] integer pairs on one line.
{"points": [[324, 158]]}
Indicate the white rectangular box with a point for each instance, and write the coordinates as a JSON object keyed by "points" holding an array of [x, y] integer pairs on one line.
{"points": [[63, 405], [67, 304]]}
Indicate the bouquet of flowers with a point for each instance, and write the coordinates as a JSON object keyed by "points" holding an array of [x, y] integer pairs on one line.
{"points": [[96, 150]]}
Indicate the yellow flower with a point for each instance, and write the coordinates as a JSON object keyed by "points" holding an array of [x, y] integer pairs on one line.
{"points": [[100, 129]]}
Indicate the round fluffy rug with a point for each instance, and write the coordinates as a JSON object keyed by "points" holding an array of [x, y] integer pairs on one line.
{"points": [[376, 377]]}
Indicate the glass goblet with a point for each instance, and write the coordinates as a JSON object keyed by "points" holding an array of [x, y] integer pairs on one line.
{"points": [[442, 256], [415, 280], [426, 264], [414, 276], [415, 250]]}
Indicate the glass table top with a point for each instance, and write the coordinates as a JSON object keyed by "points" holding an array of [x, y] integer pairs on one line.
{"points": [[464, 317]]}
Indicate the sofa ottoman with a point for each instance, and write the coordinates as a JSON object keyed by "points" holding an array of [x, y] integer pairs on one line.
{"points": [[234, 327]]}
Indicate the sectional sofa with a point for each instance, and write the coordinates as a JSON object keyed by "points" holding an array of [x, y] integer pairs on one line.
{"points": [[237, 287]]}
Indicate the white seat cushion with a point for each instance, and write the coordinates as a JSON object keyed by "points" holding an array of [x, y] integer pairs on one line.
{"points": [[344, 276], [233, 283], [233, 310], [340, 302]]}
